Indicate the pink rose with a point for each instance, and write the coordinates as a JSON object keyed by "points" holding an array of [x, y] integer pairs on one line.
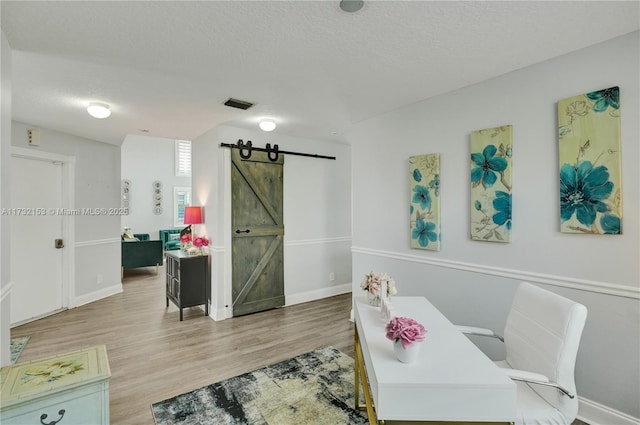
{"points": [[406, 330], [201, 241], [185, 238]]}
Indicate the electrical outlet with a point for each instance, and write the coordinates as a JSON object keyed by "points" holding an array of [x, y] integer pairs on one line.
{"points": [[332, 276]]}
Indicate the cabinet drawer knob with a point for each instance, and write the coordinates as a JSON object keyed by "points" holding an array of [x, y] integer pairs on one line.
{"points": [[61, 412]]}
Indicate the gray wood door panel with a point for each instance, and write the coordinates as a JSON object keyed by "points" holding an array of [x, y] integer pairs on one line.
{"points": [[257, 233]]}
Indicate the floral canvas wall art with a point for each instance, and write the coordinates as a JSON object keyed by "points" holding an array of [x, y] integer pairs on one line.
{"points": [[425, 201], [590, 163], [491, 184]]}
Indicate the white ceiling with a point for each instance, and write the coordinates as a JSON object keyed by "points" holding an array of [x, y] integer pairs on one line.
{"points": [[167, 66]]}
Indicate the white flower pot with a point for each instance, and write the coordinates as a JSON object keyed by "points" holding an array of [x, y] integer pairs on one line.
{"points": [[406, 355]]}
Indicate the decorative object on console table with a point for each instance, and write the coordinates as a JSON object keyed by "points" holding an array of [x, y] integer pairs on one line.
{"points": [[200, 242], [193, 245], [72, 386], [185, 242], [375, 284], [190, 242], [188, 280], [407, 335], [192, 215]]}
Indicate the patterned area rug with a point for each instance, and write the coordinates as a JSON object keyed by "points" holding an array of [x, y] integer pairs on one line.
{"points": [[313, 388], [17, 345]]}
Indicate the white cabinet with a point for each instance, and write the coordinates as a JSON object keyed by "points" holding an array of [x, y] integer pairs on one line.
{"points": [[65, 389]]}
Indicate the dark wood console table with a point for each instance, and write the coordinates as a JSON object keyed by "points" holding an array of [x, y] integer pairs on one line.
{"points": [[188, 280]]}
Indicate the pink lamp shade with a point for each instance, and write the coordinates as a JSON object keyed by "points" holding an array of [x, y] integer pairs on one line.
{"points": [[192, 215]]}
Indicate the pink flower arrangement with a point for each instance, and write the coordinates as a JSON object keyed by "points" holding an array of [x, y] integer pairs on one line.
{"points": [[200, 241], [373, 283], [185, 238], [406, 330]]}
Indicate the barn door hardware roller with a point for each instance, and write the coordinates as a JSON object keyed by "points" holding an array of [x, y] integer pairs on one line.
{"points": [[272, 151]]}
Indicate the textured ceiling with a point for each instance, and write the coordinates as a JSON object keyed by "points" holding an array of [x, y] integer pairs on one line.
{"points": [[167, 66]]}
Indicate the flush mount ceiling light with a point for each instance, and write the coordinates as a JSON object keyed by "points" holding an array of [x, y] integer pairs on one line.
{"points": [[267, 125], [98, 110], [351, 5]]}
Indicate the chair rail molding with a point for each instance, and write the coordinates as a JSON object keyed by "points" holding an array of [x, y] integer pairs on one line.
{"points": [[317, 241], [97, 242], [560, 281]]}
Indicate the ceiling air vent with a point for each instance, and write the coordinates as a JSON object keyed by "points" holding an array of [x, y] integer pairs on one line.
{"points": [[240, 104]]}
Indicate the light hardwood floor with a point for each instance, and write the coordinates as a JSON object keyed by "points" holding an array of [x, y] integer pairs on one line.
{"points": [[154, 356]]}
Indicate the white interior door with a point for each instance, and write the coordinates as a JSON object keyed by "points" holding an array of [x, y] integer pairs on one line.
{"points": [[36, 264]]}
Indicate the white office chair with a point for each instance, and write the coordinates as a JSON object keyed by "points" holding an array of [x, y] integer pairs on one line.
{"points": [[541, 337]]}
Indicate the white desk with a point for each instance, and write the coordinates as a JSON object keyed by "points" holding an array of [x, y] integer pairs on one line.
{"points": [[452, 379]]}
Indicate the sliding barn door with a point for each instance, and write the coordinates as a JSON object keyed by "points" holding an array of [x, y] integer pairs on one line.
{"points": [[257, 233]]}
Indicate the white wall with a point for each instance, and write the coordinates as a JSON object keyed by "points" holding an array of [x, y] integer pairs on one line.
{"points": [[96, 241], [145, 160], [5, 172], [317, 213], [473, 282]]}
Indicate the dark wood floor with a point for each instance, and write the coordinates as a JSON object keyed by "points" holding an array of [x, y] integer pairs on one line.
{"points": [[154, 356]]}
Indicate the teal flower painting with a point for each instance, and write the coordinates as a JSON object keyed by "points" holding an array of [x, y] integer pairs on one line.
{"points": [[590, 163], [424, 182], [502, 204], [424, 232], [487, 167], [491, 209], [422, 197]]}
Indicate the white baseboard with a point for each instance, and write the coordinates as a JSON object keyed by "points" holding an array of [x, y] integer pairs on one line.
{"points": [[227, 313], [94, 296], [597, 414], [218, 313], [317, 294]]}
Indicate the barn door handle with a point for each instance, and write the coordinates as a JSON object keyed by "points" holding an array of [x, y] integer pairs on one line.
{"points": [[242, 231]]}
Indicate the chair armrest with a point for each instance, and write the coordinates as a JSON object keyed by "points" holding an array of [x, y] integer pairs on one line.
{"points": [[525, 375], [472, 330], [534, 378]]}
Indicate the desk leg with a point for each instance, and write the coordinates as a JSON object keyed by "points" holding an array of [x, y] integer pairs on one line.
{"points": [[361, 371], [356, 374]]}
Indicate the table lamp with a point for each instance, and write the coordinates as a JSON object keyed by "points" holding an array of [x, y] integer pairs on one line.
{"points": [[192, 215]]}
